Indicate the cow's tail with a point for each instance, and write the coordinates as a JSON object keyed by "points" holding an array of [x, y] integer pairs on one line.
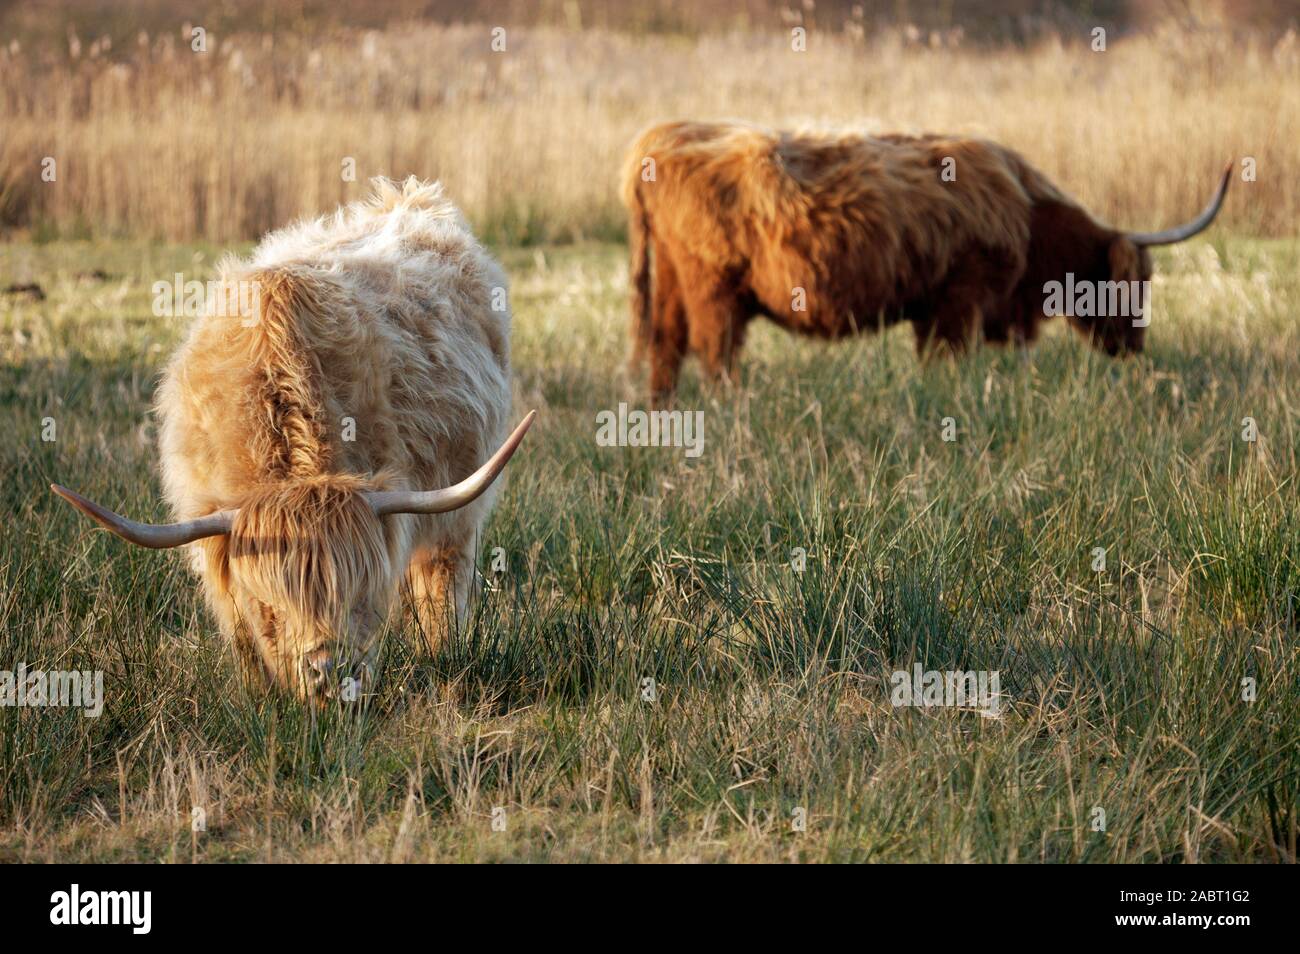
{"points": [[638, 237]]}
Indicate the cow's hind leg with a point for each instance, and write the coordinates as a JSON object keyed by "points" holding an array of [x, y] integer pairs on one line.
{"points": [[440, 581], [668, 337]]}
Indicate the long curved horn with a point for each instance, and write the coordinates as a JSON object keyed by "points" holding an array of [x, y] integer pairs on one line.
{"points": [[456, 496], [1183, 232], [161, 536]]}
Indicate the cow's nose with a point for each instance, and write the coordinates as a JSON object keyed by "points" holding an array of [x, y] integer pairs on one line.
{"points": [[317, 668]]}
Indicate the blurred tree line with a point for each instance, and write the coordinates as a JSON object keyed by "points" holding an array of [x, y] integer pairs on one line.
{"points": [[56, 22]]}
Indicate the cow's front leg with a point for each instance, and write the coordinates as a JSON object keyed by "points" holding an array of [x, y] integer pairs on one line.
{"points": [[716, 323], [440, 580]]}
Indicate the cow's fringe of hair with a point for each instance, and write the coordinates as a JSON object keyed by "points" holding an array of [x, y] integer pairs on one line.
{"points": [[329, 549]]}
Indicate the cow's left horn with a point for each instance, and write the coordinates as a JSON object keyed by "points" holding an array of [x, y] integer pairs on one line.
{"points": [[456, 496], [1183, 232], [161, 536]]}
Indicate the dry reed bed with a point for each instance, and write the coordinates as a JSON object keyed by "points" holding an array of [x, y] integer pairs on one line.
{"points": [[160, 141]]}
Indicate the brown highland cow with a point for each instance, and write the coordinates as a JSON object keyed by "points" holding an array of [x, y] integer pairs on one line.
{"points": [[829, 235]]}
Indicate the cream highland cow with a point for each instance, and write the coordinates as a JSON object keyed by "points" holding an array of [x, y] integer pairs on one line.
{"points": [[300, 437]]}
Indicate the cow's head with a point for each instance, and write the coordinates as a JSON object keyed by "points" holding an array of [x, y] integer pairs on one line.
{"points": [[1121, 274], [309, 566]]}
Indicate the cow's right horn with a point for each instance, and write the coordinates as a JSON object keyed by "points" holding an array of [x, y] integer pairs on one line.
{"points": [[456, 496], [1185, 231], [161, 536]]}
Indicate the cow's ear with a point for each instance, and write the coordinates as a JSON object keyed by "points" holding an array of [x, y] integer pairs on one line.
{"points": [[1124, 259]]}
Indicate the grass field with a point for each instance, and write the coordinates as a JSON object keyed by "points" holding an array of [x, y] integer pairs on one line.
{"points": [[1123, 688]]}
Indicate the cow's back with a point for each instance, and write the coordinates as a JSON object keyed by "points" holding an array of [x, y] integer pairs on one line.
{"points": [[380, 346], [843, 224]]}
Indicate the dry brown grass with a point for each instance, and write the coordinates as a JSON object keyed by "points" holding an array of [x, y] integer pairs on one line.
{"points": [[166, 142]]}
